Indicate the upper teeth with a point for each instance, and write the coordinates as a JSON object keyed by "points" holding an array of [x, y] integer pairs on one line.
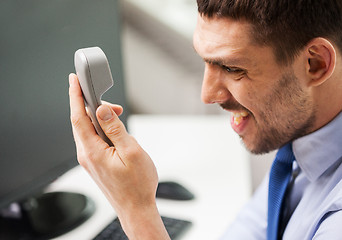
{"points": [[238, 116]]}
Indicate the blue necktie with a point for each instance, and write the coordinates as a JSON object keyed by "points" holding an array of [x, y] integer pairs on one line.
{"points": [[280, 176]]}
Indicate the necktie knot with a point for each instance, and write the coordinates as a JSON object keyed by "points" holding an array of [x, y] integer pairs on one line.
{"points": [[279, 178], [285, 155]]}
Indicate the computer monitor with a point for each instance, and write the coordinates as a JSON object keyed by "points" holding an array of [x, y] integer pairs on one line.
{"points": [[37, 45]]}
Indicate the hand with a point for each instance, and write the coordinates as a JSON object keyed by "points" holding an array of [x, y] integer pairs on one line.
{"points": [[125, 173]]}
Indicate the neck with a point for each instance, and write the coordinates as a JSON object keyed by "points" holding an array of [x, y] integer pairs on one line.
{"points": [[328, 100]]}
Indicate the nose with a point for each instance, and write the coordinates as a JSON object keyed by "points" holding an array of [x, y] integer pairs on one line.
{"points": [[214, 89]]}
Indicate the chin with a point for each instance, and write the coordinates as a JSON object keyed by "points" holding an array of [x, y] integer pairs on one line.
{"points": [[256, 147]]}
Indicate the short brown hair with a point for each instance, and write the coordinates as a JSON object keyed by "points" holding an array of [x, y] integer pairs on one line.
{"points": [[285, 25]]}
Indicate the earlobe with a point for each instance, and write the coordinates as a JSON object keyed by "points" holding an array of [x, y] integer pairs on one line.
{"points": [[321, 60]]}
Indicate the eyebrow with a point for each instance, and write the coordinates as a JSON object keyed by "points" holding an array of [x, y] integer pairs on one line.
{"points": [[228, 61]]}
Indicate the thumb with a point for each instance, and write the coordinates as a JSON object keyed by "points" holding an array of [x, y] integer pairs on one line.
{"points": [[112, 126]]}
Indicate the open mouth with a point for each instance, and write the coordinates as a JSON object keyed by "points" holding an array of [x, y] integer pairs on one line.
{"points": [[238, 117], [239, 121]]}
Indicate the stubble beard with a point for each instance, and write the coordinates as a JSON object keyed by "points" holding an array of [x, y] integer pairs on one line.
{"points": [[288, 114]]}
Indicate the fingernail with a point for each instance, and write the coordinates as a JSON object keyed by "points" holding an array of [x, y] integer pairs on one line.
{"points": [[105, 113], [71, 79]]}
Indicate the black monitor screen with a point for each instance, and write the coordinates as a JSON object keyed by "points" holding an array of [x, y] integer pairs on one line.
{"points": [[38, 41]]}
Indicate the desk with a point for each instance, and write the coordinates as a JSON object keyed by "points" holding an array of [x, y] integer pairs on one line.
{"points": [[200, 152]]}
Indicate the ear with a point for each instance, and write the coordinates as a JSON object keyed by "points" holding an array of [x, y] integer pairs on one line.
{"points": [[321, 60]]}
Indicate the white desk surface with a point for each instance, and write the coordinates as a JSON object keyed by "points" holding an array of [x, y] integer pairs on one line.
{"points": [[200, 152]]}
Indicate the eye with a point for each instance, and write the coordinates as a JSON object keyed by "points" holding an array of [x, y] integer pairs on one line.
{"points": [[233, 69]]}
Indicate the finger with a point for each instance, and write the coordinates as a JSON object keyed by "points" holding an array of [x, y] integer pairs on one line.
{"points": [[78, 143], [117, 108], [81, 123], [113, 127]]}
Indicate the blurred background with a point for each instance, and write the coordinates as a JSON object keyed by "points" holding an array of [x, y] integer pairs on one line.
{"points": [[163, 73], [156, 72]]}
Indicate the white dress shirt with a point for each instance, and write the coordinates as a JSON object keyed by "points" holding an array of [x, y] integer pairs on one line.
{"points": [[314, 203]]}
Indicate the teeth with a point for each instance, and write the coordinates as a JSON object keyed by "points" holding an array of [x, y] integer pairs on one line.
{"points": [[238, 117], [237, 120], [244, 114]]}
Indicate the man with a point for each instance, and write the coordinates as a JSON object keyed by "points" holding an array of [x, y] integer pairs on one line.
{"points": [[276, 66]]}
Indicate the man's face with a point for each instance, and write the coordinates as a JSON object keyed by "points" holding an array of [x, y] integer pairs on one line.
{"points": [[269, 105]]}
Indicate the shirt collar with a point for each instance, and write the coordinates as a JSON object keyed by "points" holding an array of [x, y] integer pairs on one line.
{"points": [[317, 151]]}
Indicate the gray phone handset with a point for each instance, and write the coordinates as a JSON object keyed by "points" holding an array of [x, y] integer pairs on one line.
{"points": [[95, 78]]}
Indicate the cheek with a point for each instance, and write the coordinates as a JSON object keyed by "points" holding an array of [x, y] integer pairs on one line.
{"points": [[249, 97], [259, 101]]}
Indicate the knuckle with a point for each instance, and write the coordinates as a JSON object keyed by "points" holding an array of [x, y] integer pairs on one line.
{"points": [[114, 130], [91, 155], [87, 157], [75, 121], [82, 159]]}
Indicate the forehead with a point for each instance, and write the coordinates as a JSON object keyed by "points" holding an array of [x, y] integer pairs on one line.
{"points": [[222, 31], [216, 38]]}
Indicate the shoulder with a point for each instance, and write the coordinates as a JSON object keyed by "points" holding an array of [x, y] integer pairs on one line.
{"points": [[330, 227]]}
